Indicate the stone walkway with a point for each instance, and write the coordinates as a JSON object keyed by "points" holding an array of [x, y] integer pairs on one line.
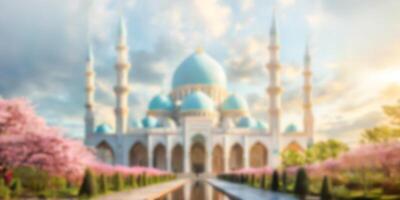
{"points": [[244, 192], [146, 193]]}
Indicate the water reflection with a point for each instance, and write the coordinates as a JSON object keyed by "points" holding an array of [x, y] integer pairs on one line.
{"points": [[196, 190]]}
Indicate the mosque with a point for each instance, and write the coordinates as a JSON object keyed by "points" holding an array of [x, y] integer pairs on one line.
{"points": [[199, 126]]}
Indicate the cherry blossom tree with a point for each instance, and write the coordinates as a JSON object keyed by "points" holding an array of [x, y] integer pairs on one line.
{"points": [[26, 140]]}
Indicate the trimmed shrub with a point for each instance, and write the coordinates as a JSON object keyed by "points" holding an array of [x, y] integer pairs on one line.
{"points": [[144, 180], [56, 183], [88, 186], [32, 179], [16, 187], [250, 180], [103, 184], [284, 181], [301, 185], [4, 191], [118, 182], [325, 193], [253, 180], [275, 181], [242, 179], [262, 182], [133, 182]]}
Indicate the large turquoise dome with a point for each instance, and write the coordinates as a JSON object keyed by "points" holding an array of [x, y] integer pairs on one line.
{"points": [[161, 102], [235, 102], [199, 68], [197, 101]]}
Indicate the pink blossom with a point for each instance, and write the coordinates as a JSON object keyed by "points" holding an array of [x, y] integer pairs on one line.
{"points": [[26, 140]]}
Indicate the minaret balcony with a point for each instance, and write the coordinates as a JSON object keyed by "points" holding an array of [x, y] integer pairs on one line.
{"points": [[274, 111], [307, 106], [273, 47], [274, 66], [89, 88], [121, 111], [121, 89], [307, 88], [121, 47], [89, 73], [121, 66], [307, 73], [88, 106], [274, 90]]}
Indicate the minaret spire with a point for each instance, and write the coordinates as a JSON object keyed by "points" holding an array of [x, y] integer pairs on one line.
{"points": [[274, 91], [308, 118], [90, 90], [121, 88]]}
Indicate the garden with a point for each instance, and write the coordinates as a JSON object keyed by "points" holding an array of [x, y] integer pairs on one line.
{"points": [[37, 161], [331, 170], [368, 172]]}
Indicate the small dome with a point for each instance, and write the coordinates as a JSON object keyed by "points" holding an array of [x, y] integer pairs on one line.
{"points": [[235, 102], [104, 129], [199, 68], [161, 102], [291, 128], [149, 122], [167, 123], [247, 122], [197, 101], [262, 125], [136, 124]]}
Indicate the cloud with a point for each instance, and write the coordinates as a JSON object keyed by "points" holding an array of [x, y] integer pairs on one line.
{"points": [[246, 5], [286, 3], [247, 59]]}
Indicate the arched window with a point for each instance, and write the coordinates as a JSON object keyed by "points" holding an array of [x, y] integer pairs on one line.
{"points": [[258, 155], [138, 155], [236, 157], [177, 159], [218, 159], [159, 157]]}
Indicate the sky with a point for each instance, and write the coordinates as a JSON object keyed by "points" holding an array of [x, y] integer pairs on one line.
{"points": [[354, 46]]}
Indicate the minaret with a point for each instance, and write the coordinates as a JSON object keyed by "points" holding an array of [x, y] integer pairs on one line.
{"points": [[308, 114], [274, 91], [121, 88], [90, 89]]}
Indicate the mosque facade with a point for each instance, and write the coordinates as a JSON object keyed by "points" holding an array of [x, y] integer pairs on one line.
{"points": [[199, 126]]}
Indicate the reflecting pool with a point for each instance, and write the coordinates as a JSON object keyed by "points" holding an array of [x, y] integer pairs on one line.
{"points": [[196, 190]]}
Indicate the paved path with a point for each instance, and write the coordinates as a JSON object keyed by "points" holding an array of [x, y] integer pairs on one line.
{"points": [[146, 193], [244, 192]]}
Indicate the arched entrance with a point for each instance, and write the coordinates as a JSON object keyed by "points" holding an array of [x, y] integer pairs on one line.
{"points": [[160, 157], [218, 159], [138, 155], [198, 154], [105, 153], [236, 157], [258, 155], [177, 159]]}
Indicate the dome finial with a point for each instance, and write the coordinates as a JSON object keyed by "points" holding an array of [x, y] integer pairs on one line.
{"points": [[122, 31], [90, 56], [199, 50], [273, 29]]}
